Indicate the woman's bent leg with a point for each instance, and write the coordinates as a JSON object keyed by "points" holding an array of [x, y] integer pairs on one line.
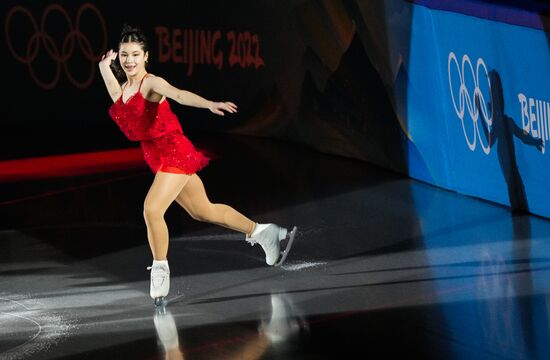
{"points": [[194, 200], [163, 191]]}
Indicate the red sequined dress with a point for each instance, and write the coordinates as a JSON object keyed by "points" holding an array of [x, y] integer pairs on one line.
{"points": [[165, 147]]}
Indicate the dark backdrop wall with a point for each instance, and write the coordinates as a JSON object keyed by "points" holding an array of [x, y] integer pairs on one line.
{"points": [[379, 81], [298, 70]]}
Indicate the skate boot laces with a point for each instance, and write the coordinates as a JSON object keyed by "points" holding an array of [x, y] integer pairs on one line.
{"points": [[159, 275]]}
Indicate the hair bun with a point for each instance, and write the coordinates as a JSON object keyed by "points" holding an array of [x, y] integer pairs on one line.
{"points": [[127, 30], [133, 34]]}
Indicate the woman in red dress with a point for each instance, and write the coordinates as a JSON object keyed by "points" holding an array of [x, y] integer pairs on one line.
{"points": [[141, 110]]}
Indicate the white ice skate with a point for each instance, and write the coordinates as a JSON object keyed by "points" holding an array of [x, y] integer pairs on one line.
{"points": [[160, 281], [271, 238]]}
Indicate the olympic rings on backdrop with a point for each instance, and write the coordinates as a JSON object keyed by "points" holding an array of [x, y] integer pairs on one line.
{"points": [[473, 103], [62, 55]]}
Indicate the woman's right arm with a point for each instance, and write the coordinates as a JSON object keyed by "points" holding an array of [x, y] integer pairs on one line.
{"points": [[111, 82]]}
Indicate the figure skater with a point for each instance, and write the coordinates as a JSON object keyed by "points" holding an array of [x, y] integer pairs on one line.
{"points": [[141, 110]]}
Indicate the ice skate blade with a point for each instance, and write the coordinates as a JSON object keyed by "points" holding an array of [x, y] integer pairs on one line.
{"points": [[160, 301], [160, 310], [285, 252]]}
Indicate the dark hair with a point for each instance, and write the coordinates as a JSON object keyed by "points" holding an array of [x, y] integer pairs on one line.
{"points": [[129, 34]]}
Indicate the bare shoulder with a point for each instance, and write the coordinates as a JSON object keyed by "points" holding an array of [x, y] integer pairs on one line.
{"points": [[156, 85], [150, 85], [152, 81]]}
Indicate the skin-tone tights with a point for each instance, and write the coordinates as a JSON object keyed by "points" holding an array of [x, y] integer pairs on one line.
{"points": [[188, 191]]}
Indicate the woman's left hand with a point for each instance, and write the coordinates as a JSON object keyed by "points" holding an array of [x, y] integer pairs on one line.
{"points": [[218, 108]]}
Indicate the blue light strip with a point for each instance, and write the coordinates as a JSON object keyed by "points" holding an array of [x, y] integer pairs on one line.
{"points": [[533, 14]]}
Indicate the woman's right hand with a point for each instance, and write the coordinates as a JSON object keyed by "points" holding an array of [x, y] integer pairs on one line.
{"points": [[107, 58]]}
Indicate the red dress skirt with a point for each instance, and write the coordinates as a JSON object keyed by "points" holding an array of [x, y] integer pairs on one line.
{"points": [[173, 153]]}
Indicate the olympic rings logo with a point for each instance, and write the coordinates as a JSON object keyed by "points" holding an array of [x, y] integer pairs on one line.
{"points": [[60, 55], [471, 103]]}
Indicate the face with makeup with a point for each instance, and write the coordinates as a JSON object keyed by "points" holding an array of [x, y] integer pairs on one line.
{"points": [[132, 58]]}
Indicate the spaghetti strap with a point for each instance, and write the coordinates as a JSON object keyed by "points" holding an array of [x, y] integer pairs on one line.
{"points": [[141, 82]]}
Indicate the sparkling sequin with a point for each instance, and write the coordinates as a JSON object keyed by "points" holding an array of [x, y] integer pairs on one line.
{"points": [[173, 150], [159, 132]]}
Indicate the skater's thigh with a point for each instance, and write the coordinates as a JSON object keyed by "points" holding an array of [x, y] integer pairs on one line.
{"points": [[193, 196], [163, 191]]}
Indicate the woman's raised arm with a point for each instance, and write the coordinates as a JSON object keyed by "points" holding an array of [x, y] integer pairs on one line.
{"points": [[111, 82]]}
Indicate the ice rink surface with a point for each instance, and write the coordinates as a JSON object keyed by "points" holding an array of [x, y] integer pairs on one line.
{"points": [[382, 265]]}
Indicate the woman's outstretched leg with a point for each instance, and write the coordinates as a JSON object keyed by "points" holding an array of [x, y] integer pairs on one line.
{"points": [[194, 200]]}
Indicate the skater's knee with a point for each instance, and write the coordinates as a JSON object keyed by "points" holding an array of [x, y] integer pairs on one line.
{"points": [[152, 210]]}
